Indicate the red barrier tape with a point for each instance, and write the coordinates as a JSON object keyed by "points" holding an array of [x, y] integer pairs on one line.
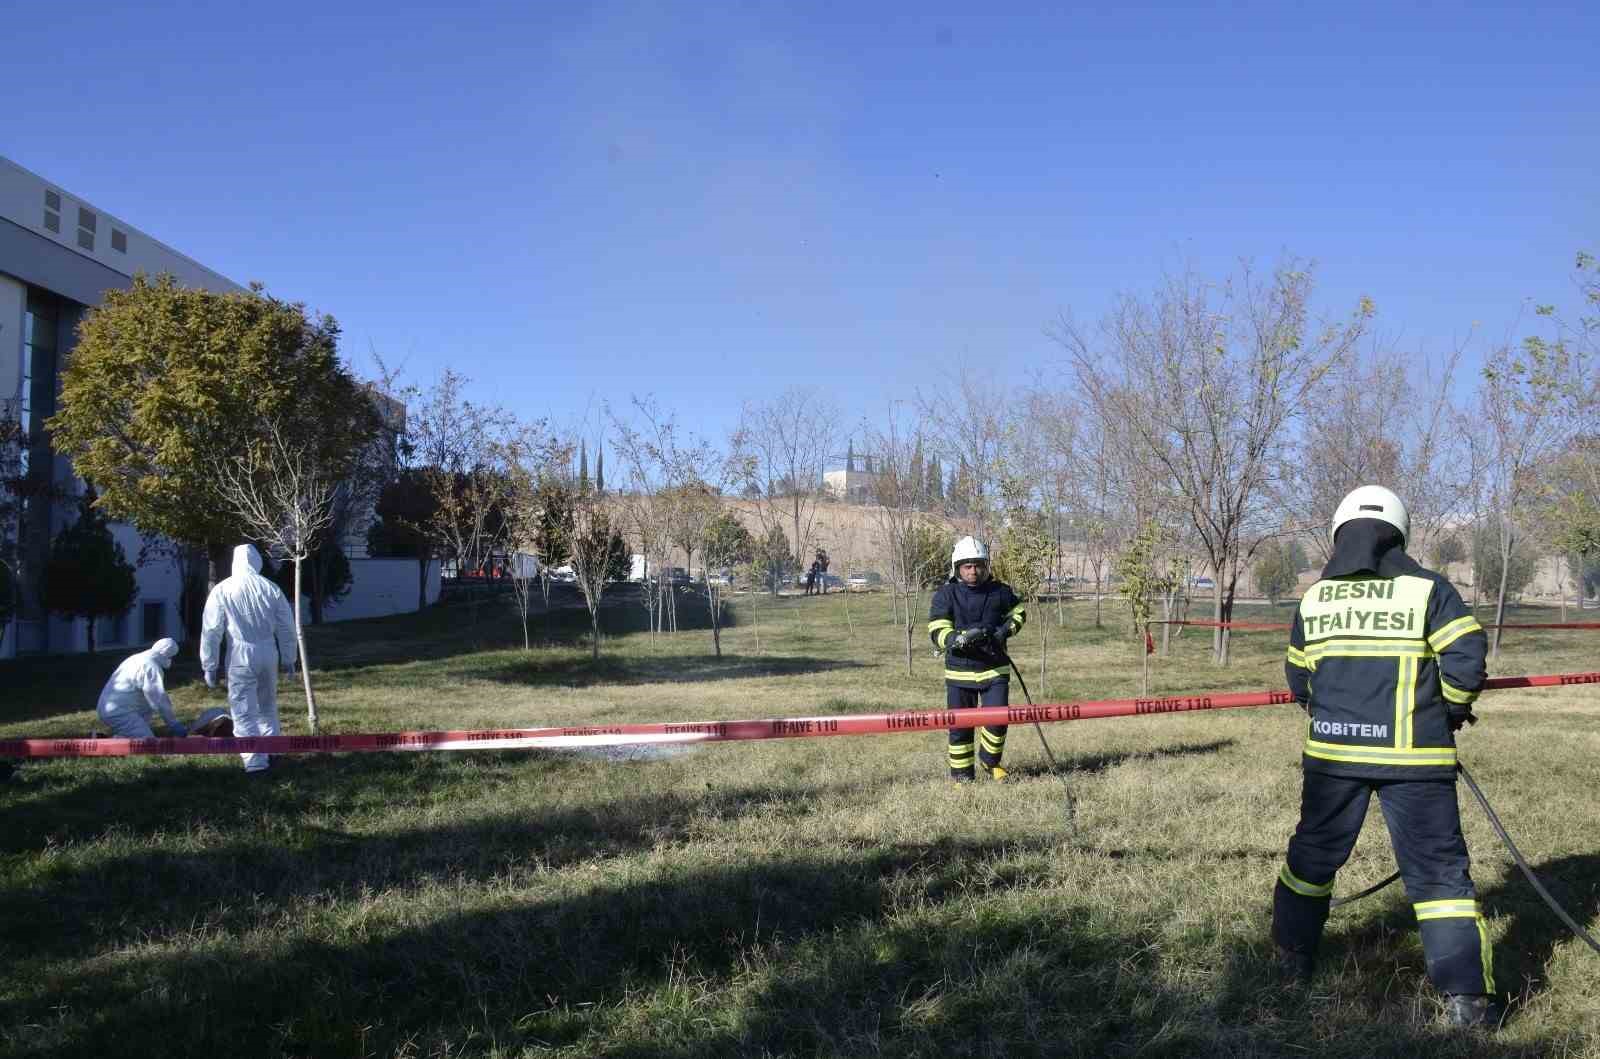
{"points": [[694, 732], [1284, 626]]}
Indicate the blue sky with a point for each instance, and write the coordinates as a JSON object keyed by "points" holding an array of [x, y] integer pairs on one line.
{"points": [[708, 202]]}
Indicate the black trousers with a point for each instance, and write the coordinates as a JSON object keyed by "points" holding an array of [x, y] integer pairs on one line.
{"points": [[991, 738], [1424, 824]]}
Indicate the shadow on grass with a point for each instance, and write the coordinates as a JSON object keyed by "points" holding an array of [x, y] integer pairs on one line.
{"points": [[537, 671], [1095, 763], [827, 953], [65, 910]]}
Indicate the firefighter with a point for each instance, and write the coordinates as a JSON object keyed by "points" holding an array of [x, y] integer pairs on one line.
{"points": [[970, 620], [1387, 662]]}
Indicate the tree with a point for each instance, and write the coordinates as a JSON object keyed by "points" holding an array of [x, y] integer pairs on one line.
{"points": [[12, 440], [327, 566], [780, 448], [598, 555], [535, 514], [772, 559], [1526, 399], [1210, 380], [88, 574], [405, 524], [1447, 549], [1489, 566], [282, 493], [1142, 581], [165, 380], [1275, 571]]}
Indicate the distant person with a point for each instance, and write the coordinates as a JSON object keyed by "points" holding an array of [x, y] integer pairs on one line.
{"points": [[811, 577], [137, 691], [970, 620], [1387, 661], [260, 627], [822, 573]]}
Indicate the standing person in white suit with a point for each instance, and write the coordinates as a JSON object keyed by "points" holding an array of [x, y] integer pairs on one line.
{"points": [[260, 627], [136, 691]]}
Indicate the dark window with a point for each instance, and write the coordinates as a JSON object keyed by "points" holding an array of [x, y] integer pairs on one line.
{"points": [[85, 238], [86, 218], [52, 201], [52, 222], [119, 240], [155, 621]]}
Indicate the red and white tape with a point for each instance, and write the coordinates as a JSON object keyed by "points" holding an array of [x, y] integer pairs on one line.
{"points": [[1283, 626], [694, 732]]}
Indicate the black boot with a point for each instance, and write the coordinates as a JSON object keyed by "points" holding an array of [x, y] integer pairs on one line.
{"points": [[1473, 1010], [1296, 968]]}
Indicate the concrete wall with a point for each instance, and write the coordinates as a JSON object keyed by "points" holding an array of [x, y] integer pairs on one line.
{"points": [[380, 587]]}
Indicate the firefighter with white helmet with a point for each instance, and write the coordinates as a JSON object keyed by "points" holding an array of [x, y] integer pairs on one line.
{"points": [[1387, 661], [971, 618]]}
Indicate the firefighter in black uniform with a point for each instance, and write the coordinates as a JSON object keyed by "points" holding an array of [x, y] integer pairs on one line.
{"points": [[970, 620], [1386, 660]]}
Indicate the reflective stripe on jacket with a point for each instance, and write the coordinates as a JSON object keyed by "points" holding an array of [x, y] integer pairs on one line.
{"points": [[957, 606], [1376, 660]]}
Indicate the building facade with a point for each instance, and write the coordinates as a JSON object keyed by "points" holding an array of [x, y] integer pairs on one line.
{"points": [[58, 256]]}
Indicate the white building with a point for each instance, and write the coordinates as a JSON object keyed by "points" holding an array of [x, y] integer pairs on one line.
{"points": [[58, 256]]}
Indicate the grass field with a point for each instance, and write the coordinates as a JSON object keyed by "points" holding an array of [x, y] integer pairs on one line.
{"points": [[829, 897]]}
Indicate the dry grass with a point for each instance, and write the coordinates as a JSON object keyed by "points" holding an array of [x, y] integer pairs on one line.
{"points": [[806, 897]]}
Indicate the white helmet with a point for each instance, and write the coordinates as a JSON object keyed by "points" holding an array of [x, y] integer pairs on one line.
{"points": [[967, 550], [1372, 501]]}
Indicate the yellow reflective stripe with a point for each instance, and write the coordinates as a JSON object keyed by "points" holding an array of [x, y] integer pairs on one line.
{"points": [[1381, 755], [992, 742], [1486, 954], [961, 755], [941, 630], [1450, 908], [1296, 657], [1017, 614], [1441, 638], [1456, 695], [1368, 648], [973, 675], [1303, 888], [940, 623]]}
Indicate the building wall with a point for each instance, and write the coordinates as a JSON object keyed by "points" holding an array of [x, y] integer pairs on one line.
{"points": [[380, 587]]}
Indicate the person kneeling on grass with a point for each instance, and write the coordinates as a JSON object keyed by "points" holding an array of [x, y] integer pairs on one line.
{"points": [[969, 622], [136, 692]]}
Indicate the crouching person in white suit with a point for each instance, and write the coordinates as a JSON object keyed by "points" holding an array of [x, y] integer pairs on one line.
{"points": [[136, 692], [260, 627]]}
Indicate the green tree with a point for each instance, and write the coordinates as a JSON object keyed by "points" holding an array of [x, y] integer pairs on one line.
{"points": [[727, 543], [404, 528], [88, 574], [166, 379], [1487, 559], [1275, 571], [1448, 549], [773, 559]]}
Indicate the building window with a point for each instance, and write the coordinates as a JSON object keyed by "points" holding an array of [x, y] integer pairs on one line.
{"points": [[86, 227], [112, 630], [52, 222], [85, 239], [155, 621], [119, 240], [52, 201]]}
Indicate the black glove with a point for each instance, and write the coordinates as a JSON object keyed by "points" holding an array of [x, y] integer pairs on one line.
{"points": [[968, 638], [1459, 716], [1001, 633]]}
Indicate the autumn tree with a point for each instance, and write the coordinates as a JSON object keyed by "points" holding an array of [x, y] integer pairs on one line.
{"points": [[1211, 379], [165, 378]]}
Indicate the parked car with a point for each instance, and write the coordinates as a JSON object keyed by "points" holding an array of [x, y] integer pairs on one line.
{"points": [[832, 581], [722, 578], [1202, 584], [865, 581]]}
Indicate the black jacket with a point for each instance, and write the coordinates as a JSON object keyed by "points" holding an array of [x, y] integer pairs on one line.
{"points": [[1380, 651], [957, 606]]}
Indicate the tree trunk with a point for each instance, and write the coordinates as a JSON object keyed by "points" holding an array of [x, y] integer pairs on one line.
{"points": [[316, 592], [1044, 656], [219, 560], [1506, 543], [908, 642], [91, 635], [716, 613], [422, 584], [594, 624], [300, 645]]}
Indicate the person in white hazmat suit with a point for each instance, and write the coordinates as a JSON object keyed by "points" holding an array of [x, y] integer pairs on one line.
{"points": [[260, 627], [136, 691]]}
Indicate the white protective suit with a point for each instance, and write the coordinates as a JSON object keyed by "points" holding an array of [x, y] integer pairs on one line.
{"points": [[136, 691], [260, 627]]}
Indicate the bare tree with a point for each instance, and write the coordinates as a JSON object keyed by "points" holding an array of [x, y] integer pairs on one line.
{"points": [[780, 451], [283, 494], [968, 429], [533, 514], [1526, 401], [913, 541], [1209, 379]]}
